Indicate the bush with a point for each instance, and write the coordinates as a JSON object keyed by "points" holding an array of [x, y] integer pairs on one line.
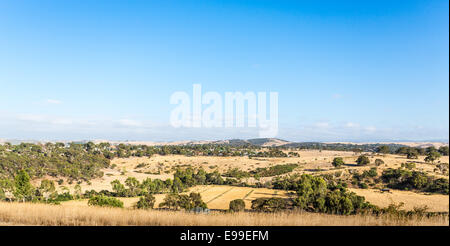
{"points": [[105, 201], [404, 179], [187, 202], [371, 173], [237, 205], [363, 186], [146, 202], [379, 162], [362, 160], [432, 156], [409, 166], [338, 161], [274, 170], [272, 204]]}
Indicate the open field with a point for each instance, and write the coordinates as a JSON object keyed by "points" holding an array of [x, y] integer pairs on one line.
{"points": [[434, 202], [219, 197], [215, 196], [56, 215], [310, 161]]}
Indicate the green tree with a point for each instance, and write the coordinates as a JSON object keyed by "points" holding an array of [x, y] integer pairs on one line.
{"points": [[77, 191], [146, 202], [104, 201], [118, 187], [362, 160], [412, 154], [177, 186], [23, 188], [237, 205], [6, 189], [432, 156], [46, 188], [443, 150], [132, 184], [338, 161], [196, 200], [170, 201], [384, 149], [379, 162]]}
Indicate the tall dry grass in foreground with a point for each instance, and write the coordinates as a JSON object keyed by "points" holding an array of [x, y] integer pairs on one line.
{"points": [[54, 215]]}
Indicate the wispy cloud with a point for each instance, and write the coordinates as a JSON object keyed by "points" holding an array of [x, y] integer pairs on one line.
{"points": [[31, 117], [322, 125], [351, 125], [38, 118], [370, 128], [130, 123]]}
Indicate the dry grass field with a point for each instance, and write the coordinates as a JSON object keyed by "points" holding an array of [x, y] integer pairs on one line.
{"points": [[310, 161], [56, 215], [219, 197], [215, 196], [434, 202]]}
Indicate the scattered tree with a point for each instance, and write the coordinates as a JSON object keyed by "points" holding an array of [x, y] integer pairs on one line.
{"points": [[338, 161]]}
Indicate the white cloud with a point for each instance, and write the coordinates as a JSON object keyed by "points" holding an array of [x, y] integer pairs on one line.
{"points": [[130, 123], [61, 121], [322, 124], [371, 128], [351, 125], [37, 118], [31, 117]]}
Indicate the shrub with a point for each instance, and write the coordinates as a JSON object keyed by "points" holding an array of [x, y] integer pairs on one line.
{"points": [[187, 202], [236, 173], [362, 160], [412, 154], [406, 180], [384, 149], [338, 161], [104, 201], [409, 166], [432, 156], [274, 170], [146, 202], [370, 173], [443, 150], [272, 204], [237, 205], [363, 186], [379, 162]]}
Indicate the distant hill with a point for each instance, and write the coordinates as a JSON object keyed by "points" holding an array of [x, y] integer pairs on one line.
{"points": [[268, 142], [264, 142]]}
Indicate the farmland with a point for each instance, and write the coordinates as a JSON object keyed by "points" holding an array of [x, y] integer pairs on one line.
{"points": [[215, 196], [301, 182]]}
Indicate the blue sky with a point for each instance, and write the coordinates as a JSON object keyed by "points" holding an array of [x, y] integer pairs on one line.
{"points": [[344, 70]]}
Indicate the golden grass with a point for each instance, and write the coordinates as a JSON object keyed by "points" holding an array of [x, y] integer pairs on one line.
{"points": [[216, 196], [309, 161], [434, 202], [55, 215]]}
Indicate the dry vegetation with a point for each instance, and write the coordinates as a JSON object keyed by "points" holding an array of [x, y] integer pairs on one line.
{"points": [[218, 197], [310, 161], [215, 196], [55, 215], [434, 202]]}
